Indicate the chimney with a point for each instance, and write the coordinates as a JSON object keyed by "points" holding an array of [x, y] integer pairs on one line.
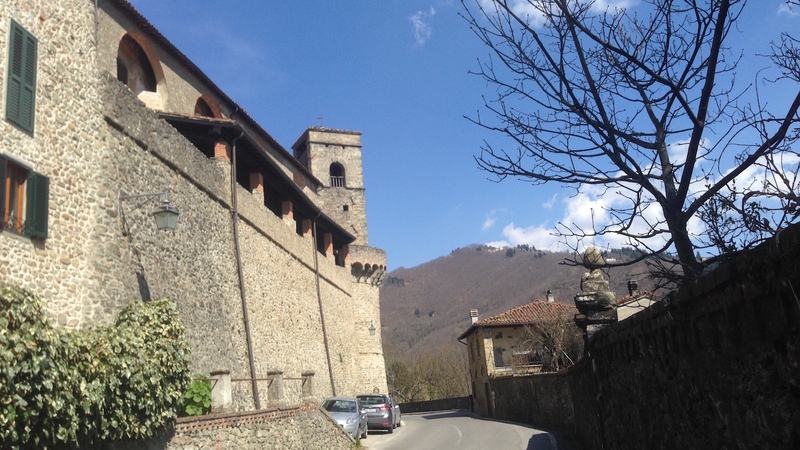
{"points": [[550, 297], [473, 315], [633, 287]]}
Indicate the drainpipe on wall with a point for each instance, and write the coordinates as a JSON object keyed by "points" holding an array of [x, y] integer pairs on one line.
{"points": [[235, 218], [319, 299]]}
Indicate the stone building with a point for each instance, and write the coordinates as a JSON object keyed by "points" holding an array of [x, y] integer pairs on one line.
{"points": [[270, 263], [506, 345]]}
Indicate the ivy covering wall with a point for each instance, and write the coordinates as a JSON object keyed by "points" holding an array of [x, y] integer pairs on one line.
{"points": [[62, 388]]}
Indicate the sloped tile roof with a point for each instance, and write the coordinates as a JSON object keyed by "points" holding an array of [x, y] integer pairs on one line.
{"points": [[538, 311], [642, 295]]}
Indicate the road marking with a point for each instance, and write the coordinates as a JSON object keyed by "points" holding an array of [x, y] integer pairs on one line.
{"points": [[459, 433]]}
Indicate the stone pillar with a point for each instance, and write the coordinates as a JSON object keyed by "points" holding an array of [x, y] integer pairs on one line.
{"points": [[222, 150], [328, 244], [306, 227], [345, 254], [308, 386], [287, 213], [275, 390], [221, 398], [257, 186]]}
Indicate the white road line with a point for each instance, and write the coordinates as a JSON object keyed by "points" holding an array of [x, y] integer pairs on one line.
{"points": [[459, 433]]}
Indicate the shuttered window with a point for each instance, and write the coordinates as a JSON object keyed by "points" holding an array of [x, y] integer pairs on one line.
{"points": [[26, 198], [37, 205], [21, 81]]}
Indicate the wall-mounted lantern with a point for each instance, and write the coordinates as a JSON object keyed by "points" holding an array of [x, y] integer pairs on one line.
{"points": [[166, 215], [371, 328]]}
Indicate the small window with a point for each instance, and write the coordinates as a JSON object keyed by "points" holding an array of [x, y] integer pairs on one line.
{"points": [[25, 196], [337, 175], [498, 357], [346, 208], [21, 81]]}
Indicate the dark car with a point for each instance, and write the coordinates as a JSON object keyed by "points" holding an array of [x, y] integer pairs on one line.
{"points": [[381, 411]]}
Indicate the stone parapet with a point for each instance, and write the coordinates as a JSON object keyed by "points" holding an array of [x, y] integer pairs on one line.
{"points": [[306, 426]]}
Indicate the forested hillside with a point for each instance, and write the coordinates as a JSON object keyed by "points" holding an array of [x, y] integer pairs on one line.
{"points": [[426, 307]]}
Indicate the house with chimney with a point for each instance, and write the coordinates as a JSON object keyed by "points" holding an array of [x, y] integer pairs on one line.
{"points": [[635, 302], [511, 343]]}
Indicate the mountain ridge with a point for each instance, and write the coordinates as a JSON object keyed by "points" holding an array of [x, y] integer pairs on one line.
{"points": [[427, 306]]}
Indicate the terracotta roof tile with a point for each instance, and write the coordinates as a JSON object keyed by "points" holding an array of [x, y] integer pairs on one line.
{"points": [[537, 311], [534, 312]]}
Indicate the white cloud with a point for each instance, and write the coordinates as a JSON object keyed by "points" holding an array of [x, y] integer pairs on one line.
{"points": [[549, 204], [491, 218], [539, 236], [531, 10], [421, 23], [786, 8]]}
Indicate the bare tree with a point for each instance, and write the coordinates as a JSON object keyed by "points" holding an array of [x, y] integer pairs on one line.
{"points": [[434, 374], [604, 98], [559, 341]]}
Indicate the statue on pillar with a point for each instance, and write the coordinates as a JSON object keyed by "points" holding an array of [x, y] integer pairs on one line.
{"points": [[596, 303]]}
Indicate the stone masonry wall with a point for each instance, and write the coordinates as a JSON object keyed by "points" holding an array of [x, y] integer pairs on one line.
{"points": [[96, 141], [67, 117], [542, 399], [718, 367], [303, 427]]}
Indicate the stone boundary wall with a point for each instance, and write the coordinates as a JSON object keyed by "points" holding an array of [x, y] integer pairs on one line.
{"points": [[445, 404], [297, 427], [542, 400], [718, 366]]}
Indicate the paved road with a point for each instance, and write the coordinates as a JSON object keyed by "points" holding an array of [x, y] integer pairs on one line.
{"points": [[458, 430]]}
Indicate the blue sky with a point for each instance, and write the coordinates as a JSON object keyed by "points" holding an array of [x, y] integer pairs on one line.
{"points": [[397, 71]]}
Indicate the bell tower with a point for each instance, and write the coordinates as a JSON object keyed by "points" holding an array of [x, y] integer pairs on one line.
{"points": [[334, 157]]}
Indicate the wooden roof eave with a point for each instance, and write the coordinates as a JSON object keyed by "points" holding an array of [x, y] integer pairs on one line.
{"points": [[296, 193]]}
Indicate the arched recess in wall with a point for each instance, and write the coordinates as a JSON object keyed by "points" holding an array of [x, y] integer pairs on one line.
{"points": [[337, 175], [205, 106], [139, 68]]}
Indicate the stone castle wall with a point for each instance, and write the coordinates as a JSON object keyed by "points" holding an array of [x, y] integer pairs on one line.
{"points": [[95, 141]]}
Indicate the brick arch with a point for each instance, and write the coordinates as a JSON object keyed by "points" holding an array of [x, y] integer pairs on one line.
{"points": [[150, 56], [216, 112]]}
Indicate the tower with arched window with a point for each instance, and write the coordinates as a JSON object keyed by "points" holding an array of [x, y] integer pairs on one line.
{"points": [[334, 157]]}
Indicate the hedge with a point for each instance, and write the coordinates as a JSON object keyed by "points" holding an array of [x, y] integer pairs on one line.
{"points": [[63, 388]]}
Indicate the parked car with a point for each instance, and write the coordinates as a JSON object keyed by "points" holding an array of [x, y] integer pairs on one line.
{"points": [[382, 412], [347, 412]]}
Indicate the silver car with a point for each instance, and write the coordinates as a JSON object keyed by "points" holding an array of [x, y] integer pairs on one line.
{"points": [[346, 411], [382, 412]]}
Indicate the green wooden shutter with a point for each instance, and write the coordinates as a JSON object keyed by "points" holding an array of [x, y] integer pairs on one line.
{"points": [[3, 165], [21, 93], [37, 205]]}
